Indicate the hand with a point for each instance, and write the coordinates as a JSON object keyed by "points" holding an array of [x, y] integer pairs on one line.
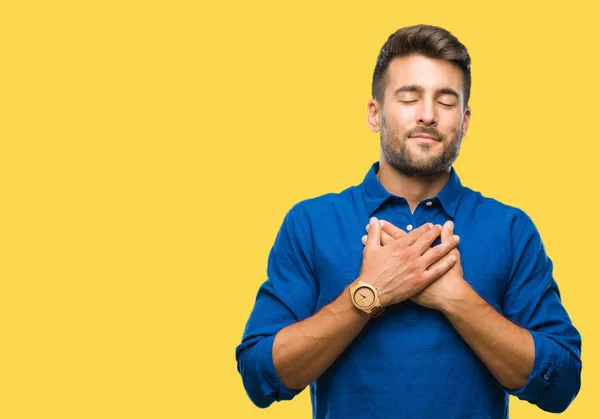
{"points": [[451, 283], [406, 265]]}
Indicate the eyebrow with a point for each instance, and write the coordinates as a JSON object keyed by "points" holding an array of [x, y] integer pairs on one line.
{"points": [[420, 89]]}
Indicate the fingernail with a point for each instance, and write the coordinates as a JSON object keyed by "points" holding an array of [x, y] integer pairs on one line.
{"points": [[451, 225], [364, 239], [453, 258], [381, 223], [430, 225], [456, 238], [373, 220], [368, 225], [438, 226]]}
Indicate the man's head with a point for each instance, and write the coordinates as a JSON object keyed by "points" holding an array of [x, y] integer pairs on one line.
{"points": [[421, 87]]}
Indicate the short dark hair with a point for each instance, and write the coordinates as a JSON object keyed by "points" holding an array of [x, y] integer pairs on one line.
{"points": [[429, 41]]}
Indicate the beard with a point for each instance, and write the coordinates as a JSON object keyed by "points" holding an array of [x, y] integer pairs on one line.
{"points": [[398, 153]]}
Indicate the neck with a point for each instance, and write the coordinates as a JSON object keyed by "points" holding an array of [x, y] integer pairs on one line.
{"points": [[413, 188]]}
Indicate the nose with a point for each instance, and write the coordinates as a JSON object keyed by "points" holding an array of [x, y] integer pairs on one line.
{"points": [[427, 115]]}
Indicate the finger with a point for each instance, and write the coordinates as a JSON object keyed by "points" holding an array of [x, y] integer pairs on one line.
{"points": [[381, 222], [447, 230], [392, 230], [374, 235], [433, 254], [411, 238], [425, 241], [439, 268], [385, 239]]}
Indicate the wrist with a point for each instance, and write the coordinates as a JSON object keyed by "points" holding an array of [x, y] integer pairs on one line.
{"points": [[365, 298], [458, 301], [384, 298], [344, 307]]}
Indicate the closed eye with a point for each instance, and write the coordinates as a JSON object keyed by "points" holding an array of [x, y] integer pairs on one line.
{"points": [[408, 102]]}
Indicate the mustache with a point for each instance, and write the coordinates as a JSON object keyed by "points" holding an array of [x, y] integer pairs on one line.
{"points": [[427, 131]]}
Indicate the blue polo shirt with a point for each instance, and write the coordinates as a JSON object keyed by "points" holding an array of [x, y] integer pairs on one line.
{"points": [[410, 362]]}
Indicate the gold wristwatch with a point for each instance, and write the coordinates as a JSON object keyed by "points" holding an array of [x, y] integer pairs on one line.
{"points": [[364, 297]]}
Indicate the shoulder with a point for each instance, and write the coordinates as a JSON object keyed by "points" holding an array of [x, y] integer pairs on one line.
{"points": [[310, 215], [327, 204], [491, 209]]}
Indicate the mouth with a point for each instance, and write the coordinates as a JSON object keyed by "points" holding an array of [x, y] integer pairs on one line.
{"points": [[425, 137]]}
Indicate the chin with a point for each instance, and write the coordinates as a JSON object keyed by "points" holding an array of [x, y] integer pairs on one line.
{"points": [[418, 167]]}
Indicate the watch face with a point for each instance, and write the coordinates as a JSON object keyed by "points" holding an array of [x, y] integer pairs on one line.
{"points": [[364, 296]]}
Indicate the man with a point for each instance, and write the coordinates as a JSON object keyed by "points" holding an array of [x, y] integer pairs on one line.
{"points": [[445, 308]]}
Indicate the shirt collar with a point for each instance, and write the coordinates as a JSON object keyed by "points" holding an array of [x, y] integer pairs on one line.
{"points": [[375, 194]]}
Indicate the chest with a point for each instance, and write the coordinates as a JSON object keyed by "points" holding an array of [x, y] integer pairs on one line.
{"points": [[485, 254]]}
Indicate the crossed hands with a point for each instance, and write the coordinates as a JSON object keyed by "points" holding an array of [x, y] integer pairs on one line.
{"points": [[404, 265]]}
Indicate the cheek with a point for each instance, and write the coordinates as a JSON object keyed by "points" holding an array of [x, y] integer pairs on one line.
{"points": [[450, 125], [399, 123]]}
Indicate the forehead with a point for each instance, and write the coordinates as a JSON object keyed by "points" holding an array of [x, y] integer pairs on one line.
{"points": [[432, 74]]}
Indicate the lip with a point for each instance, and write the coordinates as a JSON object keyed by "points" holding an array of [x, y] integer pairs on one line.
{"points": [[425, 136]]}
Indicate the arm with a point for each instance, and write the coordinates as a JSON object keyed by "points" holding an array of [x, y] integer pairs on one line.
{"points": [[533, 301], [288, 296], [506, 349], [533, 349], [304, 350], [285, 347]]}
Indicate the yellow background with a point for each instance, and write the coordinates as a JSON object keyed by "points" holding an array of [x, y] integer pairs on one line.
{"points": [[149, 151]]}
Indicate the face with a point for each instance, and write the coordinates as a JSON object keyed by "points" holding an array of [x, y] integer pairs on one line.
{"points": [[422, 120]]}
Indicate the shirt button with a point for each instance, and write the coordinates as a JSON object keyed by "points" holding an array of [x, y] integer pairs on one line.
{"points": [[546, 377], [429, 203], [409, 227]]}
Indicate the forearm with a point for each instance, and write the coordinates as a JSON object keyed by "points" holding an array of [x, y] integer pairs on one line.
{"points": [[506, 349], [304, 350]]}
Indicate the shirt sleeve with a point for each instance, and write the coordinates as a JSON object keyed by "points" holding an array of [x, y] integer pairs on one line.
{"points": [[288, 295], [533, 302]]}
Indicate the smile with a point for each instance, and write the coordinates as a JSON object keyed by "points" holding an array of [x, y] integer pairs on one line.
{"points": [[425, 138]]}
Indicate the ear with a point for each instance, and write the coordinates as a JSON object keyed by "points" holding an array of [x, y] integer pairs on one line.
{"points": [[373, 115], [466, 120]]}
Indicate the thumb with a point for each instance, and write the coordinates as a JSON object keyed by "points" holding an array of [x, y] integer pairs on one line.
{"points": [[374, 235]]}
